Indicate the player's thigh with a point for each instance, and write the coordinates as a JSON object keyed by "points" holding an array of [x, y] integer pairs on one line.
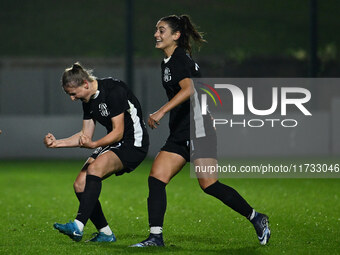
{"points": [[205, 176], [166, 165], [79, 183], [105, 164]]}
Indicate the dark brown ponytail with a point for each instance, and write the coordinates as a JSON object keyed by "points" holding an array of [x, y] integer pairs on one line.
{"points": [[187, 29]]}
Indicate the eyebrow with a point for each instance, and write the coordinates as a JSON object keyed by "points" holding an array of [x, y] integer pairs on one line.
{"points": [[70, 94]]}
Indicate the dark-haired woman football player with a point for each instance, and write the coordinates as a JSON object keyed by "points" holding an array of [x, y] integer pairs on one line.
{"points": [[173, 36], [111, 103]]}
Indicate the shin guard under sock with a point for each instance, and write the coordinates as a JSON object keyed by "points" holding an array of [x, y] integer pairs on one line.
{"points": [[156, 202], [97, 217], [230, 197], [89, 198]]}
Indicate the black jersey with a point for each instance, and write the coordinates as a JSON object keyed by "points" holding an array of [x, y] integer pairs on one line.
{"points": [[113, 97], [178, 67]]}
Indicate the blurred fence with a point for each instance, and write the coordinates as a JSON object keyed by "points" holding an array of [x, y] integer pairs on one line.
{"points": [[33, 103]]}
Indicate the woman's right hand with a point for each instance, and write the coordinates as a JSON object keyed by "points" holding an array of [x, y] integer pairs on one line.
{"points": [[50, 141], [154, 119]]}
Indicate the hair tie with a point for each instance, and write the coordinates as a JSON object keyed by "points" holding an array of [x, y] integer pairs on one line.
{"points": [[76, 66], [182, 23]]}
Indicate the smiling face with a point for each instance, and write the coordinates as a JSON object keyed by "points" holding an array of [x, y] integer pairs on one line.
{"points": [[81, 92], [166, 39]]}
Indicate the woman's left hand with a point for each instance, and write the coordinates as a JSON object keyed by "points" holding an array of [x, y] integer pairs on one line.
{"points": [[86, 142]]}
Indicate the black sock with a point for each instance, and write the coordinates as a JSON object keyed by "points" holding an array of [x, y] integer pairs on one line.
{"points": [[97, 217], [156, 202], [230, 197], [89, 198]]}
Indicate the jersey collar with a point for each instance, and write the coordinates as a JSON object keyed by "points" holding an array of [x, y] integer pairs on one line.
{"points": [[166, 60], [95, 95]]}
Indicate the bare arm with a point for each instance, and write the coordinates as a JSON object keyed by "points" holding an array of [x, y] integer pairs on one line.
{"points": [[72, 141], [187, 89], [114, 136]]}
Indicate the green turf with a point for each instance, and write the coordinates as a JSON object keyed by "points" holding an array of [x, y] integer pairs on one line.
{"points": [[304, 213]]}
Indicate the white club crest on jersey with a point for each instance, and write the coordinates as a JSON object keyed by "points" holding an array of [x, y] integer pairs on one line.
{"points": [[167, 74], [103, 110]]}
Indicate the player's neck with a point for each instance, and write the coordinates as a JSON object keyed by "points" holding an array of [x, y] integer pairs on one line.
{"points": [[94, 87], [169, 50]]}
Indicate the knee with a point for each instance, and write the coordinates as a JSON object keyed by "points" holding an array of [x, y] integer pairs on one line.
{"points": [[205, 183], [161, 177], [92, 169], [79, 185]]}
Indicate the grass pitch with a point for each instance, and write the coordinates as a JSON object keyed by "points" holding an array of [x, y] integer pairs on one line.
{"points": [[303, 213]]}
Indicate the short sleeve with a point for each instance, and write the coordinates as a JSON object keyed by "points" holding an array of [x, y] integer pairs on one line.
{"points": [[86, 111], [117, 101], [181, 70]]}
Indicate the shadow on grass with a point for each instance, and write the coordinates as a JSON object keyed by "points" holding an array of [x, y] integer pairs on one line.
{"points": [[177, 249], [185, 244]]}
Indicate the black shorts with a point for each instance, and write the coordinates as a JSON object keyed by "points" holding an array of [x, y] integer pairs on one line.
{"points": [[204, 147], [181, 148], [130, 155]]}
